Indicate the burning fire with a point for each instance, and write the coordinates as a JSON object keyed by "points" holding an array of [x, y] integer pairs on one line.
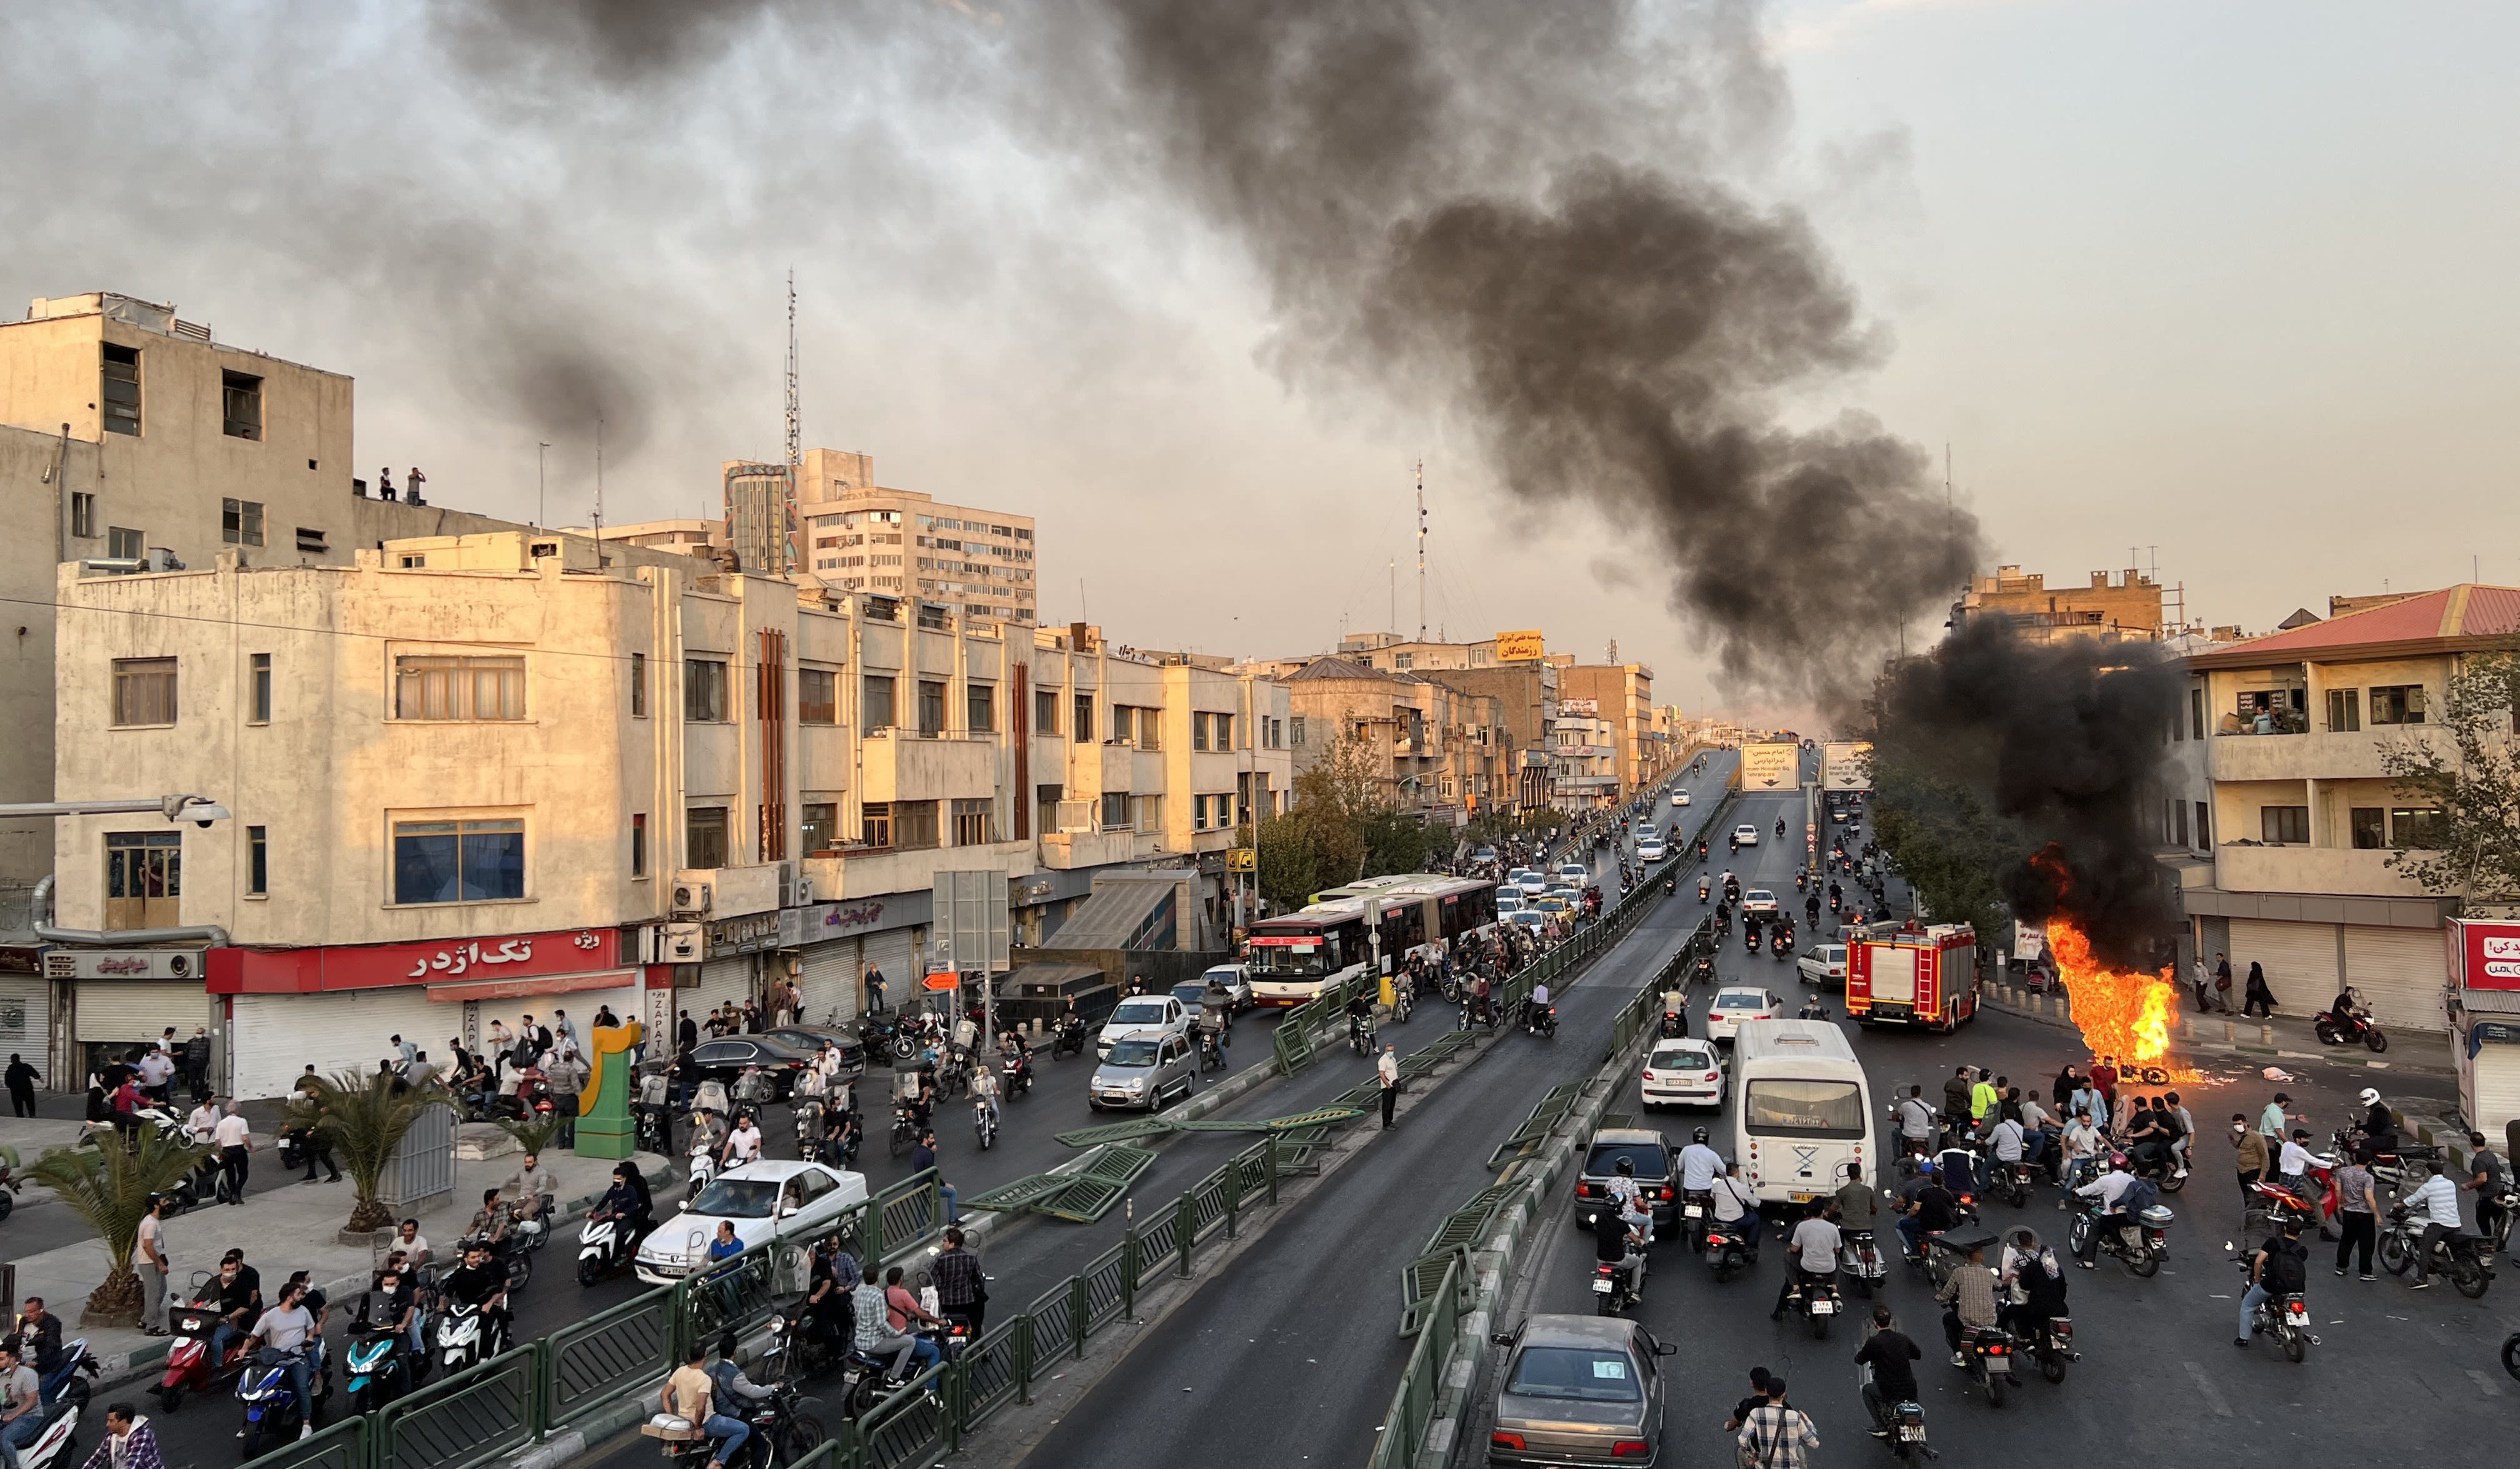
{"points": [[2128, 1014]]}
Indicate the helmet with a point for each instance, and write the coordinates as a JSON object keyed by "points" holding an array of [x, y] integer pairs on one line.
{"points": [[2117, 1159], [2370, 1094], [1697, 1135], [1627, 1166]]}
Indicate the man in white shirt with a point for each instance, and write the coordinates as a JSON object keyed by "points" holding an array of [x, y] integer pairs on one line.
{"points": [[2108, 1188], [2006, 1140], [203, 1121], [744, 1144], [1811, 1256], [155, 1069], [234, 1142], [2437, 1203], [1386, 1069], [1700, 1164], [2296, 1160], [2081, 1143], [1736, 1203]]}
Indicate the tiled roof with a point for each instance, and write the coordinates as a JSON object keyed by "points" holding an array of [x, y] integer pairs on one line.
{"points": [[1327, 666], [2463, 614]]}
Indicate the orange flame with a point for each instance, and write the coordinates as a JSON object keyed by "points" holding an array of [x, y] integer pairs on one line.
{"points": [[2129, 1015]]}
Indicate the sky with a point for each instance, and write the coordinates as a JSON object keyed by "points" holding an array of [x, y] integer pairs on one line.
{"points": [[2226, 284]]}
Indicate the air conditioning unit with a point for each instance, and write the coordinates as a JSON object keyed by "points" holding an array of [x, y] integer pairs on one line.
{"points": [[788, 898], [691, 898], [682, 944], [804, 890]]}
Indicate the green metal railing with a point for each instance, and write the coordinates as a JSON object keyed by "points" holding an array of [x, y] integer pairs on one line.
{"points": [[1412, 1407]]}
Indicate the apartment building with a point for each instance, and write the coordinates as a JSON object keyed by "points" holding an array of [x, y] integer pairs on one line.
{"points": [[2301, 817], [140, 440], [1583, 759], [1439, 752], [478, 776], [1622, 694], [2128, 607], [859, 536]]}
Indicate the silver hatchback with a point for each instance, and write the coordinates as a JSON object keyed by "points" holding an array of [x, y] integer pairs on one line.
{"points": [[1144, 1072]]}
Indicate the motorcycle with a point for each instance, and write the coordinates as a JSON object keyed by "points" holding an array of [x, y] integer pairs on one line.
{"points": [[2285, 1318], [1802, 880], [2010, 1182], [1904, 1422], [701, 1165], [1728, 1251], [1859, 1260], [1750, 937], [63, 1384], [886, 1037], [1669, 886], [984, 1123], [1815, 1297], [1988, 1351], [1069, 1039], [1360, 1034], [2350, 1030], [2141, 1255], [2470, 1266], [465, 1337], [52, 1448], [1702, 972], [1015, 1077], [189, 1369], [1616, 1288], [1674, 1025], [1703, 887], [272, 1411], [784, 1430], [1540, 1020], [2052, 1344], [1782, 944], [375, 1363], [605, 1246], [904, 1130]]}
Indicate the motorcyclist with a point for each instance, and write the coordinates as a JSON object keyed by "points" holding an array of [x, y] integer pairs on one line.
{"points": [[1614, 1244], [1889, 1354], [2110, 1189], [482, 1281], [1736, 1203], [2033, 1283], [1702, 887], [1358, 1011], [2379, 1125], [1535, 1002], [728, 1387], [1917, 1121], [1811, 1256], [2489, 1176], [2436, 1201], [530, 1190], [397, 1310], [1781, 826], [2347, 1010], [1700, 1164], [2280, 1267], [1968, 1299], [290, 1327], [238, 1290], [984, 1091], [490, 1222]]}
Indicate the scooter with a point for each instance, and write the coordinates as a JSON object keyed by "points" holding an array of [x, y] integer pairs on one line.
{"points": [[1728, 1251], [374, 1361], [1859, 1260], [52, 1448], [605, 1246], [272, 1413], [189, 1369], [984, 1123], [702, 1163], [63, 1383], [465, 1337], [2348, 1030]]}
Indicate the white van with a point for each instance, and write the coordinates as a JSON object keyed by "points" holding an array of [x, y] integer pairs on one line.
{"points": [[1801, 1110]]}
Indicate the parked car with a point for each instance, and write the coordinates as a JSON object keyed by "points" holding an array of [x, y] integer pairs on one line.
{"points": [[1143, 1071], [1747, 834], [1683, 1074], [1758, 900], [809, 1039], [1578, 1390], [764, 1200], [1735, 1004], [727, 1058], [1142, 1014], [1823, 964], [1652, 1155]]}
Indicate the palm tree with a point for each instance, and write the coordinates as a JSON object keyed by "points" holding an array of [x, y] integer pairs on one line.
{"points": [[109, 1187], [533, 1135], [364, 1116]]}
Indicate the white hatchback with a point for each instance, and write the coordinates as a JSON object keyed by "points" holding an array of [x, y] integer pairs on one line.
{"points": [[1574, 875], [1148, 1016], [1737, 1003], [1683, 1074]]}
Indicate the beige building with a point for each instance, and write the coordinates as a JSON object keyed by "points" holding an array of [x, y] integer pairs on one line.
{"points": [[1622, 694], [653, 785], [2299, 817], [1441, 753], [1583, 763], [2128, 607], [859, 536], [131, 437], [705, 539]]}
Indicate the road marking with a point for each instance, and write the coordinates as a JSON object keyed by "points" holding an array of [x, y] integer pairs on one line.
{"points": [[2205, 1389], [2484, 1384]]}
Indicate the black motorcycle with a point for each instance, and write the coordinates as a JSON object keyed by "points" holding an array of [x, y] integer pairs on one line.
{"points": [[2347, 1029], [2469, 1264], [1069, 1038], [886, 1036]]}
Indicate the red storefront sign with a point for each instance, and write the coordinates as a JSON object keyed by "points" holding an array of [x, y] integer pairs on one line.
{"points": [[501, 961], [2484, 953]]}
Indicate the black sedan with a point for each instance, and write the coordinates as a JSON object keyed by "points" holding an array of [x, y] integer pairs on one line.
{"points": [[727, 1059], [809, 1039]]}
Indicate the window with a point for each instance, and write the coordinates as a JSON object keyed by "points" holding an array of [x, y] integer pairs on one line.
{"points": [[1045, 712], [123, 545], [638, 843], [705, 842], [1780, 1107], [1123, 724], [121, 390], [311, 541], [438, 687], [875, 703], [931, 706], [257, 862], [704, 690], [1296, 726], [818, 696], [241, 523], [1151, 729], [262, 674], [821, 826], [2397, 703], [2196, 714], [1115, 811], [874, 824], [2344, 710], [638, 685], [458, 862], [981, 703], [2179, 815], [1198, 730], [2284, 823], [143, 692], [1211, 813], [241, 406], [914, 824], [2418, 826], [1147, 812], [1084, 725], [2370, 827], [1404, 660], [2204, 824], [974, 821], [82, 515], [1045, 799], [144, 878]]}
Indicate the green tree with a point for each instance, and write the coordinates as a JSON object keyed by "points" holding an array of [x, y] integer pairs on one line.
{"points": [[2470, 772], [364, 1116], [1947, 847], [107, 1186]]}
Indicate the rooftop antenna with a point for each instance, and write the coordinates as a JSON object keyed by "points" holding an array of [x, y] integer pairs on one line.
{"points": [[599, 481], [1421, 550], [1392, 569], [542, 451], [788, 558]]}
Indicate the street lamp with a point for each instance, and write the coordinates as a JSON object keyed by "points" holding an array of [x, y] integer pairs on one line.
{"points": [[201, 810]]}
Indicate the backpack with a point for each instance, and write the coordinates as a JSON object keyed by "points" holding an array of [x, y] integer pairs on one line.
{"points": [[2285, 1272]]}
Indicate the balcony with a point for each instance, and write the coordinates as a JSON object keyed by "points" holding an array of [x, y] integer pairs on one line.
{"points": [[2350, 871], [1065, 852], [2318, 756], [883, 870], [900, 765]]}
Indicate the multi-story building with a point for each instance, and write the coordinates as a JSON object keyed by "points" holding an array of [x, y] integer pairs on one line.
{"points": [[761, 521], [478, 776], [2128, 607], [1622, 694], [705, 539], [1438, 752], [897, 542], [2302, 816], [1582, 761], [143, 441]]}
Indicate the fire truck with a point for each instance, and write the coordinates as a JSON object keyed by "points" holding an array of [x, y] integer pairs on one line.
{"points": [[1912, 974]]}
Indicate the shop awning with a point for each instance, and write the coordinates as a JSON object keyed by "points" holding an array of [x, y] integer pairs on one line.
{"points": [[517, 988]]}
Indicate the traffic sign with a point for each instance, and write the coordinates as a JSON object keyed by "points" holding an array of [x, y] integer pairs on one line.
{"points": [[1241, 859], [943, 979]]}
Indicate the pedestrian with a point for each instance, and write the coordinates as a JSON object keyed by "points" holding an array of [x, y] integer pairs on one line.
{"points": [[2250, 1156], [235, 1142], [153, 1267], [196, 1064], [923, 1158], [873, 987], [2270, 1124], [22, 1085], [501, 1043], [1775, 1436], [1387, 1067], [129, 1443], [405, 1053], [687, 1033], [605, 1020], [567, 1077], [962, 1286], [2201, 979], [412, 482], [565, 1030], [2222, 983], [2260, 1001], [2358, 1214]]}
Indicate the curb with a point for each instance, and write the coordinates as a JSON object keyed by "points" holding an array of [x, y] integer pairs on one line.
{"points": [[2013, 1000]]}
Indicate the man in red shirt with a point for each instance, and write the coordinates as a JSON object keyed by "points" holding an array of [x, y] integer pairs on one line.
{"points": [[2104, 1080], [901, 1307]]}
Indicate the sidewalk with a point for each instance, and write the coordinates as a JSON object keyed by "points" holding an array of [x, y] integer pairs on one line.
{"points": [[284, 1225], [2281, 1039]]}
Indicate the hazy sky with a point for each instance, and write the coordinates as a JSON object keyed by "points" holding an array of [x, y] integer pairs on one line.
{"points": [[2228, 279]]}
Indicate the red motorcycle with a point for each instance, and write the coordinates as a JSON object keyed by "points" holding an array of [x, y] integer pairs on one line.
{"points": [[189, 1369], [2347, 1030]]}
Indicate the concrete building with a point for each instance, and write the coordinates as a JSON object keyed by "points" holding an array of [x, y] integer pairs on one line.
{"points": [[1441, 753], [899, 542], [2302, 817], [1622, 695], [140, 439], [2128, 607], [482, 775], [705, 539], [1583, 759]]}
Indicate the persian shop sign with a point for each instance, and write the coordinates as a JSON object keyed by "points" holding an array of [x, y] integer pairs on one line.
{"points": [[2485, 953], [1520, 647]]}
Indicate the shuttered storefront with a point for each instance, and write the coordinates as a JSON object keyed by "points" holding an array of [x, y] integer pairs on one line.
{"points": [[2300, 960], [892, 953], [274, 1036], [2404, 975], [721, 981], [26, 1020], [830, 983], [111, 1013]]}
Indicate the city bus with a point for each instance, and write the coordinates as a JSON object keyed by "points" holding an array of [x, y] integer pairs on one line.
{"points": [[1801, 1109], [1293, 957]]}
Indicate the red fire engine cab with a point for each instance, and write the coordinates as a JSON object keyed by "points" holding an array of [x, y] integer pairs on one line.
{"points": [[1912, 975]]}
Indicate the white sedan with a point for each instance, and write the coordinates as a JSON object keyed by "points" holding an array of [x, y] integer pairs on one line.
{"points": [[764, 1200], [1737, 1003], [1146, 1016], [1680, 798], [1650, 849], [1683, 1074], [1823, 964], [1758, 900], [1745, 835]]}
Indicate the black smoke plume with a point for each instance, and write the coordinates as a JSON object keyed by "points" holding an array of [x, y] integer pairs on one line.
{"points": [[2063, 743]]}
